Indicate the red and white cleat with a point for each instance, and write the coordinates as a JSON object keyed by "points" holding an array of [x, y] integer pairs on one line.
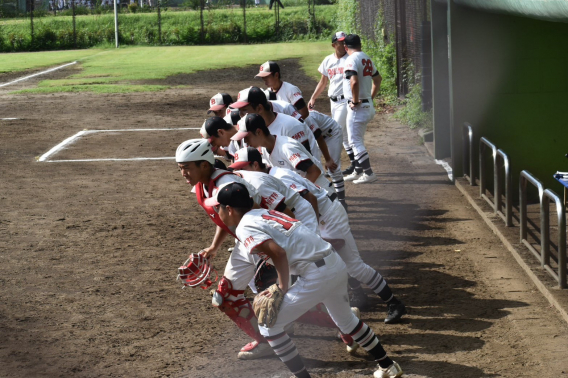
{"points": [[254, 350]]}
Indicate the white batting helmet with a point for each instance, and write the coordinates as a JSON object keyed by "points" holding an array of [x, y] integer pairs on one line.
{"points": [[195, 150]]}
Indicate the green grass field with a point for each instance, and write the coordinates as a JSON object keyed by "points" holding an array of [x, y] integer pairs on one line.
{"points": [[118, 70]]}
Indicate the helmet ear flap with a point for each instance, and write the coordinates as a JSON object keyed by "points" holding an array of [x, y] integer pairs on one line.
{"points": [[197, 271]]}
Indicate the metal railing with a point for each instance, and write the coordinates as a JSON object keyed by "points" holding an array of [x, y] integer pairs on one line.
{"points": [[545, 235], [483, 144], [525, 178], [467, 137], [508, 215]]}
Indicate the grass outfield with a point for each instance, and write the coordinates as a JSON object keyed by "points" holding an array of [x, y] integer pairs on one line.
{"points": [[117, 70]]}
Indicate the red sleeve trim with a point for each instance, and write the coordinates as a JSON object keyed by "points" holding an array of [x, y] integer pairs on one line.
{"points": [[261, 243]]}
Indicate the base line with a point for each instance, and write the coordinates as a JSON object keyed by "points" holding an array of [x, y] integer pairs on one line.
{"points": [[8, 119], [110, 159], [37, 74], [71, 139]]}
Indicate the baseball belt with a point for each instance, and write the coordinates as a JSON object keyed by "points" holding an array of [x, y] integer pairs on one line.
{"points": [[336, 98]]}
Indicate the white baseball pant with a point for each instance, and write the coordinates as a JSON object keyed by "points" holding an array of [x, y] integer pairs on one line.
{"points": [[339, 114], [357, 120]]}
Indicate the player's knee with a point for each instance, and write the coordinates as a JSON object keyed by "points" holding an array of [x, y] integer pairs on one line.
{"points": [[272, 331]]}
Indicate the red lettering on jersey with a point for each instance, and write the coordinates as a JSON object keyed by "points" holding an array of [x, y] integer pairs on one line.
{"points": [[298, 94], [368, 67], [296, 156], [293, 186], [268, 201], [248, 240], [299, 135]]}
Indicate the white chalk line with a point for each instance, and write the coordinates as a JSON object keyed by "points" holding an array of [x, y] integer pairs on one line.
{"points": [[37, 74], [447, 167], [110, 159], [71, 139], [8, 119]]}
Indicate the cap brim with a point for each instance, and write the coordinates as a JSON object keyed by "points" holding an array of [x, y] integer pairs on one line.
{"points": [[239, 135], [239, 104], [263, 74], [239, 164], [211, 202], [216, 107]]}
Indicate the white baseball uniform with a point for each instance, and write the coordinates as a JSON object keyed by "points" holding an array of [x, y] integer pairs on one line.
{"points": [[332, 68], [359, 117], [289, 93], [286, 108], [288, 153], [273, 192], [288, 126]]}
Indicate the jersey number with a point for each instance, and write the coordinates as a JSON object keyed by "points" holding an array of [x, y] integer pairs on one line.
{"points": [[367, 67], [284, 220]]}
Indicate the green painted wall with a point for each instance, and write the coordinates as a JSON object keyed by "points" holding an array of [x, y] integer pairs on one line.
{"points": [[509, 78]]}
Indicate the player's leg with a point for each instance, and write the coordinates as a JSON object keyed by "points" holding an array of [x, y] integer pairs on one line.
{"points": [[229, 298], [348, 143], [348, 323], [334, 223], [364, 114], [334, 146], [304, 212]]}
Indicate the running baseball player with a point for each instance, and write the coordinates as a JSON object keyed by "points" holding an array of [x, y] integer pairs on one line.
{"points": [[361, 84], [331, 70], [330, 131], [334, 228], [219, 104], [294, 249], [270, 73], [253, 100], [281, 151]]}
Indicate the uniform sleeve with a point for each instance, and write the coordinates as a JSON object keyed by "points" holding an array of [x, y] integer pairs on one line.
{"points": [[295, 95], [251, 236], [295, 155], [322, 70], [297, 132], [350, 65], [271, 197]]}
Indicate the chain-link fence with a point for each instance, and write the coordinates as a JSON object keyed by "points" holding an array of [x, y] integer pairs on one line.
{"points": [[407, 24]]}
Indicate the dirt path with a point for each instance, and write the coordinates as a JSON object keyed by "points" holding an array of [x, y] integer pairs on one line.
{"points": [[89, 253]]}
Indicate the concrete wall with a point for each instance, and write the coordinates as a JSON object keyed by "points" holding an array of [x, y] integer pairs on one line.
{"points": [[508, 77]]}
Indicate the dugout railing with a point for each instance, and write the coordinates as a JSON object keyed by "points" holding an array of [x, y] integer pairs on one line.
{"points": [[502, 185]]}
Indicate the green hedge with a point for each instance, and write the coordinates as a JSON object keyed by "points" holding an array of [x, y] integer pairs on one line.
{"points": [[178, 28]]}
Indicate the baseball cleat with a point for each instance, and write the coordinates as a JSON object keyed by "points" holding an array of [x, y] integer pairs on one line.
{"points": [[395, 311], [353, 176], [393, 371], [254, 350], [365, 179], [348, 171]]}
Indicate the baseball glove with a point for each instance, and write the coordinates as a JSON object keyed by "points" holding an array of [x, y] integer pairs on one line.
{"points": [[266, 309]]}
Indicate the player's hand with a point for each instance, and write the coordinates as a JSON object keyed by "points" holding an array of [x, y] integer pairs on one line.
{"points": [[265, 293], [208, 253], [330, 165], [353, 105], [311, 103]]}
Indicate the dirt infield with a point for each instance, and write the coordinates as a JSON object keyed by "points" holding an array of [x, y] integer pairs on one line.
{"points": [[89, 253]]}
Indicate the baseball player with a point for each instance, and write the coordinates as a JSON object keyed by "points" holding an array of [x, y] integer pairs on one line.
{"points": [[270, 73], [282, 106], [253, 100], [219, 104], [195, 160], [334, 228], [218, 131], [328, 129], [294, 249], [281, 151], [361, 84], [331, 70]]}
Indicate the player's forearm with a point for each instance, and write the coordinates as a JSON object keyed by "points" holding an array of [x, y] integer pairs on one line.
{"points": [[218, 239], [304, 112], [376, 85], [323, 147], [313, 173], [354, 89], [319, 89], [280, 261]]}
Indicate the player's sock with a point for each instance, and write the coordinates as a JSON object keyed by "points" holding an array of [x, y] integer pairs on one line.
{"points": [[379, 285], [365, 337], [364, 163], [286, 350], [351, 155], [338, 183]]}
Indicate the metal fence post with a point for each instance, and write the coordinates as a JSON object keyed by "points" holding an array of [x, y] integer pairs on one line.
{"points": [[467, 137], [483, 143], [525, 177], [508, 216], [561, 216]]}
